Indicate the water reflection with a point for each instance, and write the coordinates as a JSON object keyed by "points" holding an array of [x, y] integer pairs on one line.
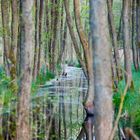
{"points": [[61, 106]]}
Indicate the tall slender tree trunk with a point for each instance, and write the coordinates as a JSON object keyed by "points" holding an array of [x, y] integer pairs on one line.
{"points": [[119, 33], [36, 54], [114, 39], [89, 66], [73, 37], [127, 43], [40, 35], [55, 31], [63, 43], [36, 51], [47, 24], [14, 44], [102, 69], [134, 46], [6, 33], [23, 127], [52, 13], [138, 25]]}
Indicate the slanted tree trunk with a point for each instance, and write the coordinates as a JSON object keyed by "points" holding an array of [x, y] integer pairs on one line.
{"points": [[73, 37], [127, 43], [23, 127], [102, 69], [114, 39], [88, 60]]}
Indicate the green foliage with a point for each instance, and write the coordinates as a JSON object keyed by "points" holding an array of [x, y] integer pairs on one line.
{"points": [[6, 94], [132, 99], [78, 65], [117, 6], [74, 64], [41, 79]]}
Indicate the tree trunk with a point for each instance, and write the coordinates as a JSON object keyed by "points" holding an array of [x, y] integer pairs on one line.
{"points": [[127, 43], [114, 39], [35, 68], [6, 34], [138, 26], [73, 37], [40, 35], [134, 46], [55, 31], [63, 44], [102, 69], [23, 127], [89, 66], [14, 44], [47, 24]]}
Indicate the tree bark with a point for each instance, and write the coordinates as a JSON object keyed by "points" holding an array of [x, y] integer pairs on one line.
{"points": [[102, 69], [114, 39], [89, 66], [134, 46], [14, 44], [36, 49], [127, 43], [138, 26], [6, 34], [73, 37], [40, 35], [23, 127], [63, 44], [55, 31]]}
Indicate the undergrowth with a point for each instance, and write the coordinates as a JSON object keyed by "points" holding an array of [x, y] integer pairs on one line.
{"points": [[131, 108]]}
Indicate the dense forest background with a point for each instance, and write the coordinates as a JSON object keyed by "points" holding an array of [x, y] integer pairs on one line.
{"points": [[69, 69]]}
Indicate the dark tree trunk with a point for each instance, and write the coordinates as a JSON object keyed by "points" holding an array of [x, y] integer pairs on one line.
{"points": [[138, 26], [134, 46]]}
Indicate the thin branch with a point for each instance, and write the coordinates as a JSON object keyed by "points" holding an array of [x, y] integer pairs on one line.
{"points": [[120, 108]]}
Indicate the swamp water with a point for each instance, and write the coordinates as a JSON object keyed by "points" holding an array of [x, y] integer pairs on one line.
{"points": [[57, 111]]}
